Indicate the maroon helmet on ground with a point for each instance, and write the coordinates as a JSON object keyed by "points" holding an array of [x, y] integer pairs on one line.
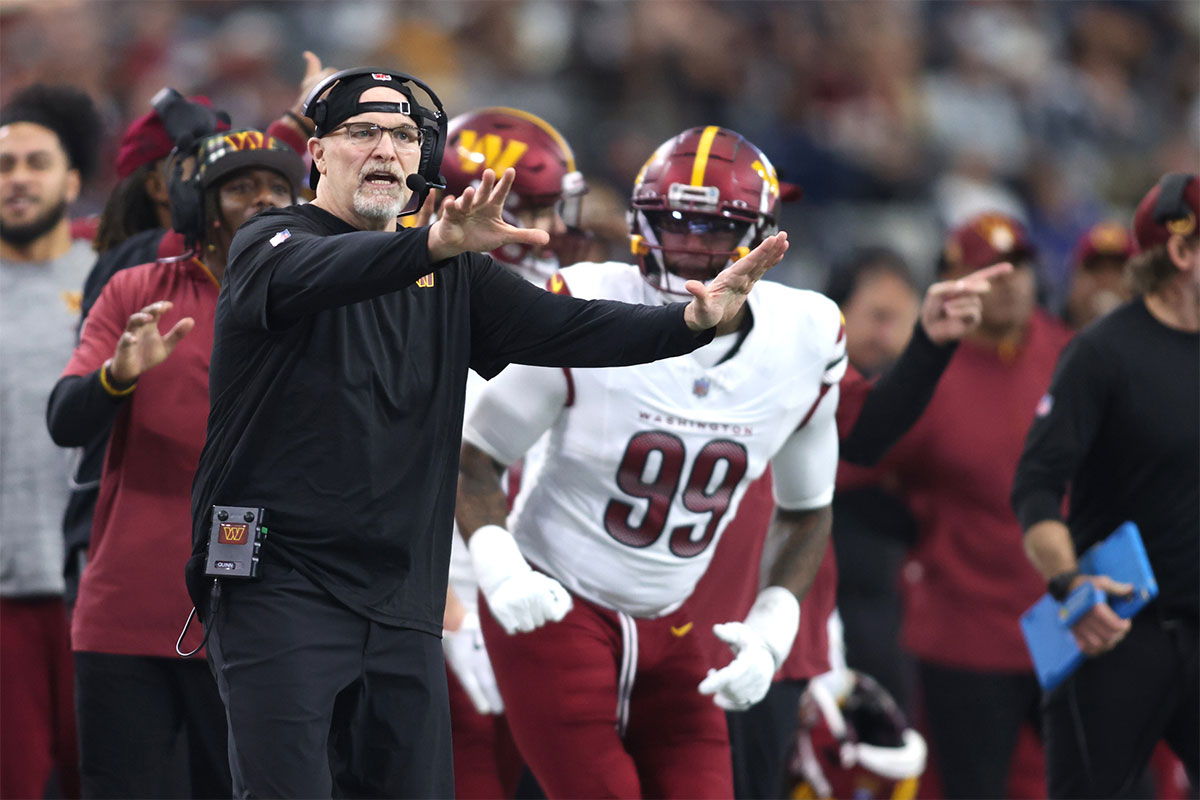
{"points": [[547, 181], [712, 195], [854, 742]]}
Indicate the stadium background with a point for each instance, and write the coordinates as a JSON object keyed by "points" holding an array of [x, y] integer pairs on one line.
{"points": [[897, 118]]}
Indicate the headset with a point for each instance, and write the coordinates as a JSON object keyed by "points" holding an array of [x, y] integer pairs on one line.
{"points": [[432, 122], [186, 197], [187, 124], [1171, 204]]}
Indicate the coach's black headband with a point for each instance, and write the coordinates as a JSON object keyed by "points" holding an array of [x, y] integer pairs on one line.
{"points": [[342, 101]]}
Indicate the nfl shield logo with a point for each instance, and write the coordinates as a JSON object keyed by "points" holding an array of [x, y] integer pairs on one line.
{"points": [[700, 387]]}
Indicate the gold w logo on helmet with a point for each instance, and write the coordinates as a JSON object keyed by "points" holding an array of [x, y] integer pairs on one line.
{"points": [[767, 173], [477, 153]]}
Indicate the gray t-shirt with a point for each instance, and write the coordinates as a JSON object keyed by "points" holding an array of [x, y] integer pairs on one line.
{"points": [[39, 315]]}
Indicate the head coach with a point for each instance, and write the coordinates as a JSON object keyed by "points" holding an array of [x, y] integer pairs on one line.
{"points": [[339, 362]]}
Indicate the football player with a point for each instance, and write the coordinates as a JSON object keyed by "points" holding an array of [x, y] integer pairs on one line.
{"points": [[643, 469], [547, 194]]}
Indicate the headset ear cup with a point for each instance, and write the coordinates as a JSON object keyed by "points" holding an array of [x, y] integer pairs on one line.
{"points": [[187, 202], [1170, 204], [431, 158]]}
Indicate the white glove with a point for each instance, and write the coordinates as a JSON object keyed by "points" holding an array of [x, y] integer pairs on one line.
{"points": [[760, 645], [468, 658], [744, 681], [519, 598]]}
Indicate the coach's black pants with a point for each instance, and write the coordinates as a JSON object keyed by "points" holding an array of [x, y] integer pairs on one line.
{"points": [[320, 697], [1103, 723]]}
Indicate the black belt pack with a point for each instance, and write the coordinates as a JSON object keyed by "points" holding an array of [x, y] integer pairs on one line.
{"points": [[234, 541]]}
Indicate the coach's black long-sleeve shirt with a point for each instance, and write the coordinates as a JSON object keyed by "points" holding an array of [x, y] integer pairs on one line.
{"points": [[1120, 427], [337, 386]]}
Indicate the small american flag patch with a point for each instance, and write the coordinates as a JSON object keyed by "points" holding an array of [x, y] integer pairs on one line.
{"points": [[280, 237], [1044, 405]]}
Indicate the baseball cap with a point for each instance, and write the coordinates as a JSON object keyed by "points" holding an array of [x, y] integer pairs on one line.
{"points": [[222, 153], [1106, 239], [146, 139], [987, 239], [1153, 223]]}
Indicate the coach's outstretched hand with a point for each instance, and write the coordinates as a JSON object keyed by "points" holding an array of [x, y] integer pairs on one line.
{"points": [[723, 297], [473, 222]]}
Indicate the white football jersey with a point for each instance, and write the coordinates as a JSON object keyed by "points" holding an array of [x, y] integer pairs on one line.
{"points": [[644, 466], [462, 572]]}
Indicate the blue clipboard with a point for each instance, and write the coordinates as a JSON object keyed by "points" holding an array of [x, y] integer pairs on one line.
{"points": [[1047, 624]]}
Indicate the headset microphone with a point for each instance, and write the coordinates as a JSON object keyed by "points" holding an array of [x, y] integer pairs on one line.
{"points": [[420, 184], [417, 183]]}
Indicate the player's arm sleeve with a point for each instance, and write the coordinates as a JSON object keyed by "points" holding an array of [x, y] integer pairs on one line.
{"points": [[805, 468], [1062, 432], [279, 272], [80, 407], [513, 321], [873, 416], [514, 409]]}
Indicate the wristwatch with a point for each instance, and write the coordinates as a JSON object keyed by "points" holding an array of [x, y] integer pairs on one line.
{"points": [[1060, 585]]}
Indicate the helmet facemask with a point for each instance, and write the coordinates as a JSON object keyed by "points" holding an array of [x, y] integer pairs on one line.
{"points": [[675, 247], [559, 214]]}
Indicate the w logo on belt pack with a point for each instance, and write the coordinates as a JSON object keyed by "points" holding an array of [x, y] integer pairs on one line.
{"points": [[232, 534]]}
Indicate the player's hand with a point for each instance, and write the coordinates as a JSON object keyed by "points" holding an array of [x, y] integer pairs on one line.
{"points": [[141, 347], [1100, 629], [952, 309], [519, 598], [745, 680], [468, 658], [523, 603], [314, 73], [473, 222], [724, 295]]}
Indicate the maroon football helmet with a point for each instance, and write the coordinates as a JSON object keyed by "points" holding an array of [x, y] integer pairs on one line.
{"points": [[708, 182], [547, 180], [854, 742]]}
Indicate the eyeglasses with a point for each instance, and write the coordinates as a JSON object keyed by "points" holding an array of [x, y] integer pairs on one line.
{"points": [[367, 134]]}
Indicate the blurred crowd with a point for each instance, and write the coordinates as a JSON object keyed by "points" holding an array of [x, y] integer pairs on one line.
{"points": [[898, 119], [916, 141]]}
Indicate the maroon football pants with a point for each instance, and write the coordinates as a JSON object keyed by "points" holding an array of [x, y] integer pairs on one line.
{"points": [[37, 714], [605, 705], [487, 765]]}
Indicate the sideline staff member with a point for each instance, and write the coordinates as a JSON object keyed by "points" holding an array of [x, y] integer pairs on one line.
{"points": [[1121, 425], [337, 381]]}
